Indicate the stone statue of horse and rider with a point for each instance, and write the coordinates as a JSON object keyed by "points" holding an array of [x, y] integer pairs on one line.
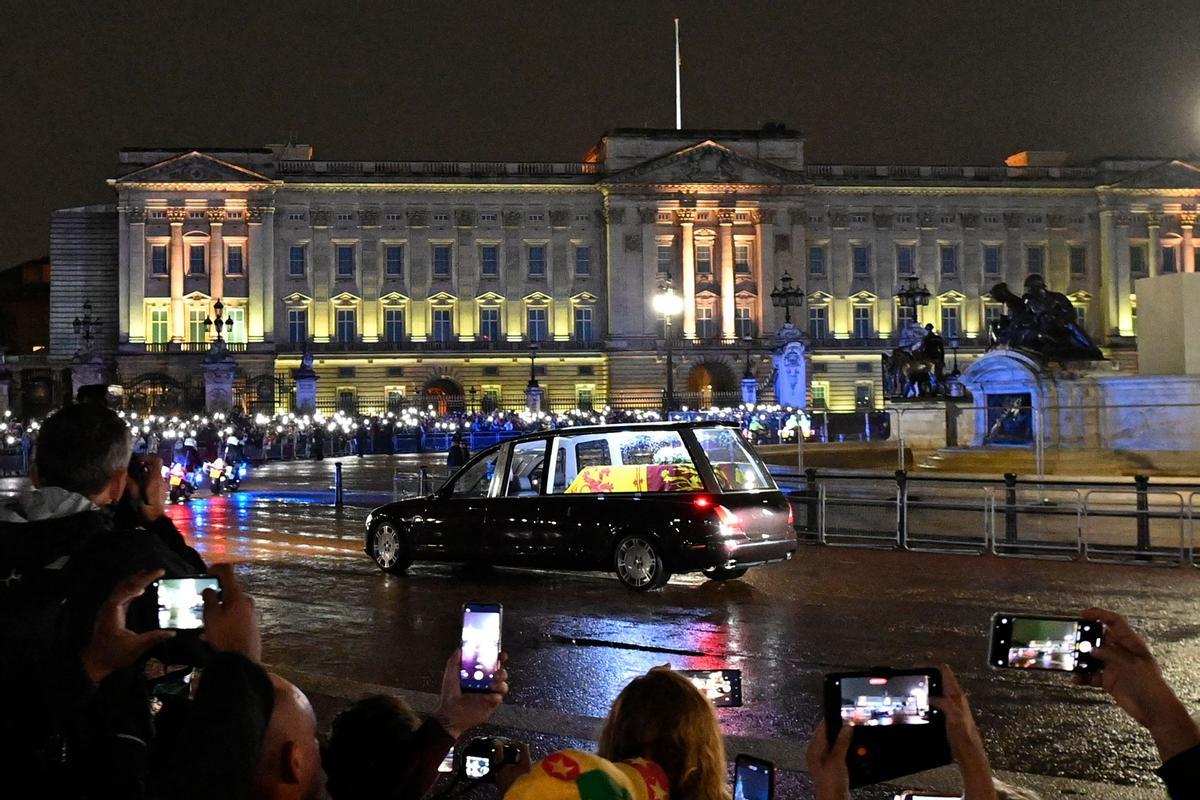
{"points": [[916, 367]]}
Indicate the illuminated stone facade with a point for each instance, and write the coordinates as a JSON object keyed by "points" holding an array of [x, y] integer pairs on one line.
{"points": [[407, 276]]}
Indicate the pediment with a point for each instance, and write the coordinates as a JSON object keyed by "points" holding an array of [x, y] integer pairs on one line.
{"points": [[537, 297], [344, 299], [490, 297], [706, 162], [1168, 175], [193, 167], [196, 297], [393, 298], [296, 299], [952, 296], [442, 298], [585, 297]]}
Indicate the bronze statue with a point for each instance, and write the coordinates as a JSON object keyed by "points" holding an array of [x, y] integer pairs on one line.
{"points": [[1043, 323], [916, 368]]}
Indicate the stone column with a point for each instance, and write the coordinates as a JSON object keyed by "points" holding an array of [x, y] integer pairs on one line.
{"points": [[1124, 285], [1154, 256], [1108, 270], [267, 270], [178, 322], [764, 273], [1187, 221], [687, 245], [216, 253], [258, 272], [136, 269], [725, 218]]}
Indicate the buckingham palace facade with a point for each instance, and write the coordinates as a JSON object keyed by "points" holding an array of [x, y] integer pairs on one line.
{"points": [[411, 278]]}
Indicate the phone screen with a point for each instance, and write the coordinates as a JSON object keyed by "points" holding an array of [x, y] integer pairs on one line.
{"points": [[477, 767], [885, 700], [480, 646], [753, 779], [722, 686], [1044, 643], [180, 601]]}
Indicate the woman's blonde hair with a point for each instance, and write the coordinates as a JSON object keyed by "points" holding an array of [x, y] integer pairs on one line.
{"points": [[662, 717]]}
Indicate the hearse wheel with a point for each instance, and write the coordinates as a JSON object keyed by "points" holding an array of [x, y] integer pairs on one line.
{"points": [[639, 563], [724, 574], [389, 549]]}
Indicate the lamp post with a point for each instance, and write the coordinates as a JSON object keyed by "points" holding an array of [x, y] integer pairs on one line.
{"points": [[668, 304], [219, 323], [533, 392], [912, 294], [787, 297], [533, 381], [83, 329]]}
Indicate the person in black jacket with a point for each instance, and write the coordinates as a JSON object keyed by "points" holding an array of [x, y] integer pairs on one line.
{"points": [[1131, 675], [459, 453], [65, 548]]}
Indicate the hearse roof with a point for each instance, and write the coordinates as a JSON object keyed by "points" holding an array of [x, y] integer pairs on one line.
{"points": [[625, 426]]}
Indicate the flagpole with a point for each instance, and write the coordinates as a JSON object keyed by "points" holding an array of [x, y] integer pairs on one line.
{"points": [[678, 101]]}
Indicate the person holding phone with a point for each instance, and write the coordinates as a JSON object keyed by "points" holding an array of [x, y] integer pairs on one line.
{"points": [[1131, 675], [831, 777]]}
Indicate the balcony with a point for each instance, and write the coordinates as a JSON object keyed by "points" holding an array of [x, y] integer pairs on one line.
{"points": [[181, 347], [441, 347]]}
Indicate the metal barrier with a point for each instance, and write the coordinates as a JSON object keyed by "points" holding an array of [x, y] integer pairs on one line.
{"points": [[1037, 522], [871, 519], [959, 521], [1158, 524], [416, 482], [1194, 535]]}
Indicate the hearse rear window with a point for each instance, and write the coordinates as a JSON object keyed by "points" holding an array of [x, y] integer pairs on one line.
{"points": [[624, 462], [732, 465]]}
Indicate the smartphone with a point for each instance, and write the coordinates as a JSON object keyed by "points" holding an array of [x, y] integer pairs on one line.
{"points": [[881, 698], [920, 796], [722, 686], [181, 602], [477, 767], [447, 764], [753, 778], [480, 646], [1059, 644]]}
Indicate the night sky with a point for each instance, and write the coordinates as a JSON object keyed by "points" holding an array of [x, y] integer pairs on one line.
{"points": [[871, 81]]}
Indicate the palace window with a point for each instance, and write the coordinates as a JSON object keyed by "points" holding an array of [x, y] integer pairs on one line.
{"points": [[393, 260], [949, 259], [347, 324], [234, 264], [297, 325], [1169, 263], [583, 324], [741, 259], [196, 260], [583, 260], [862, 322], [441, 216], [296, 259], [706, 327], [904, 219], [991, 315], [991, 219], [344, 216], [950, 327], [443, 325], [195, 215], [1081, 317], [906, 259], [820, 394], [345, 260], [489, 324], [537, 260], [1137, 259], [743, 322], [816, 260], [158, 213], [818, 322], [295, 216], [489, 260], [487, 216], [159, 331], [441, 260], [535, 324], [393, 216], [905, 316], [861, 260], [158, 259], [393, 325], [1035, 259], [536, 217], [666, 259], [704, 265], [1078, 261], [235, 332], [583, 218], [197, 330], [858, 219], [585, 396], [991, 259]]}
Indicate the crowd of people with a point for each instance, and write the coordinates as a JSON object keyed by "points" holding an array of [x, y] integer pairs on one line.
{"points": [[100, 703]]}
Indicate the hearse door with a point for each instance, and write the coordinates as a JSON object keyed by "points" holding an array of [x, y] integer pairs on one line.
{"points": [[455, 529], [514, 518]]}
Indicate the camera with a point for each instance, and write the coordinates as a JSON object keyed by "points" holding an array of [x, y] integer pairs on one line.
{"points": [[484, 757]]}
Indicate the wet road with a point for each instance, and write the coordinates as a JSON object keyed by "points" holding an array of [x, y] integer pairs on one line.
{"points": [[343, 628]]}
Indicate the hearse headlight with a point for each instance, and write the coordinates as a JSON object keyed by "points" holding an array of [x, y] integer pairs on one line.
{"points": [[370, 516]]}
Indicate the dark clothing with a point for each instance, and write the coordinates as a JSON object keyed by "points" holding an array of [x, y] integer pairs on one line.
{"points": [[418, 765], [1182, 774], [459, 454], [414, 768], [60, 558]]}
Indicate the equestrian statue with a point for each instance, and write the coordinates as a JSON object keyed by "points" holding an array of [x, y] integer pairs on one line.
{"points": [[1042, 323]]}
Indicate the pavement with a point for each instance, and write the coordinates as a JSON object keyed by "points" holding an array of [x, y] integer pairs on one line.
{"points": [[342, 629]]}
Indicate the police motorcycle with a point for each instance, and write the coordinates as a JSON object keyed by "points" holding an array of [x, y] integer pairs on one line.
{"points": [[226, 472], [181, 482]]}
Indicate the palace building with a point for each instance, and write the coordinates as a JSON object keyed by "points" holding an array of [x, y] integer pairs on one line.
{"points": [[456, 279]]}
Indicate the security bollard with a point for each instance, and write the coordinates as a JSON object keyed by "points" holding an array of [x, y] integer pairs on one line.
{"points": [[902, 507], [423, 485], [1142, 484], [338, 499], [1010, 507]]}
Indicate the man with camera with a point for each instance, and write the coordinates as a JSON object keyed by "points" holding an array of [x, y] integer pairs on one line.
{"points": [[94, 519]]}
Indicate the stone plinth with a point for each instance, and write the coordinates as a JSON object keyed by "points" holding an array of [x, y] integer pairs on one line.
{"points": [[306, 391], [927, 424], [791, 372], [218, 384], [90, 370], [750, 391], [1168, 324], [533, 399]]}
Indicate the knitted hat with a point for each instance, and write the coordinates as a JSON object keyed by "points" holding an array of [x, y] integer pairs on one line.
{"points": [[575, 775]]}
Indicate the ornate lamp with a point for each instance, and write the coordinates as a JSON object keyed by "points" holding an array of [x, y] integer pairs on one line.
{"points": [[787, 297], [912, 294], [221, 324], [669, 305]]}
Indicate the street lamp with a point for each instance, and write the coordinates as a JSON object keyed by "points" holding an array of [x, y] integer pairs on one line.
{"points": [[533, 382], [221, 324], [668, 304], [912, 294], [787, 297], [83, 328]]}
